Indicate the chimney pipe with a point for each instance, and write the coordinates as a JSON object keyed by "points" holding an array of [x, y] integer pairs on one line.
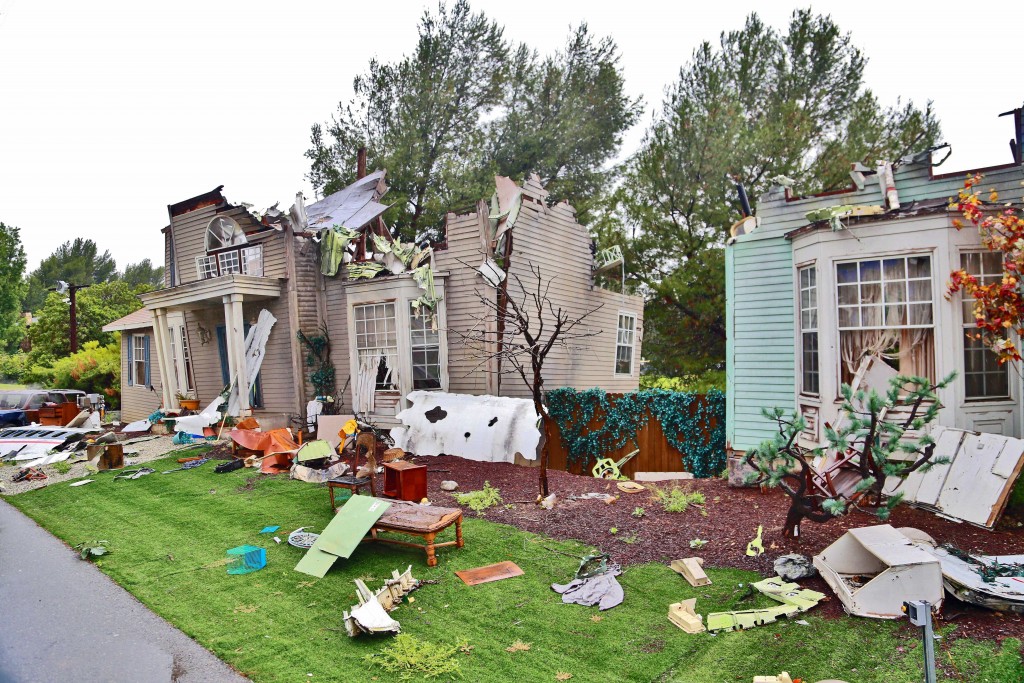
{"points": [[744, 202], [361, 163]]}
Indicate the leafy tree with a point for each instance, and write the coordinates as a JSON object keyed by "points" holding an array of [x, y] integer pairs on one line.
{"points": [[143, 276], [94, 369], [76, 262], [420, 119], [97, 305], [464, 106], [564, 117], [12, 272], [759, 105]]}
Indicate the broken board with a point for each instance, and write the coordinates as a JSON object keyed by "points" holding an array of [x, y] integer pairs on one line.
{"points": [[692, 570], [975, 486], [353, 521], [492, 572], [684, 615]]}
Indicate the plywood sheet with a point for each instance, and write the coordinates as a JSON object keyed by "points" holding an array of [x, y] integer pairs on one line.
{"points": [[492, 572], [353, 521]]}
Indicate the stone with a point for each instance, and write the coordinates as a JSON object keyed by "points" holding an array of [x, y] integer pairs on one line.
{"points": [[449, 485], [793, 567]]}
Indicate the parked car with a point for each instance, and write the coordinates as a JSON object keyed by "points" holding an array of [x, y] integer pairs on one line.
{"points": [[19, 408]]}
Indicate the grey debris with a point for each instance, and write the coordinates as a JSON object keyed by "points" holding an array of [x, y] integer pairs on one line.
{"points": [[793, 567]]}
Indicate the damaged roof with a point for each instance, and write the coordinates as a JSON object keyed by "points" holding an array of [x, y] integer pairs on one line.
{"points": [[916, 208], [352, 207]]}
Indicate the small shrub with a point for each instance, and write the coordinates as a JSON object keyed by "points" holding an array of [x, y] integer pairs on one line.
{"points": [[408, 656], [478, 501], [639, 512], [90, 550], [677, 499], [698, 543], [613, 530], [62, 467], [631, 539]]}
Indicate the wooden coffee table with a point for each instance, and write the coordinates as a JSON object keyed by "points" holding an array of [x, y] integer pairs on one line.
{"points": [[425, 521]]}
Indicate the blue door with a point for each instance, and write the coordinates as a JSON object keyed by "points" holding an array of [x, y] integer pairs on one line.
{"points": [[256, 393]]}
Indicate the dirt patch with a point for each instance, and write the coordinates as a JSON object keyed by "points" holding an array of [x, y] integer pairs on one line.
{"points": [[728, 520]]}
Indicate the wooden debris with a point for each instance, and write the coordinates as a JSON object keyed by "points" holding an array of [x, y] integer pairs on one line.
{"points": [[684, 615], [372, 618], [692, 570]]}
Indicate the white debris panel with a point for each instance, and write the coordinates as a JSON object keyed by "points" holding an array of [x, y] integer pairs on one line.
{"points": [[488, 428], [975, 486]]}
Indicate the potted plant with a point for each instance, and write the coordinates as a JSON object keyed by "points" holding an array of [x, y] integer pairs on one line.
{"points": [[186, 401]]}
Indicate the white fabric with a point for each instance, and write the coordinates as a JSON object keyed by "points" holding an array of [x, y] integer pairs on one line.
{"points": [[313, 410], [498, 427], [138, 426], [193, 424]]}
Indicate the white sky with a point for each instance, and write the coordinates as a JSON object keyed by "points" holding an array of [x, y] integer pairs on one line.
{"points": [[110, 111]]}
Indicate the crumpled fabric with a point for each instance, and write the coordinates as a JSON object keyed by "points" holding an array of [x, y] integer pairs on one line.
{"points": [[602, 590]]}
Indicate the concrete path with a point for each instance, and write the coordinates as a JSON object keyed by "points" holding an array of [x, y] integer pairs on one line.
{"points": [[61, 619]]}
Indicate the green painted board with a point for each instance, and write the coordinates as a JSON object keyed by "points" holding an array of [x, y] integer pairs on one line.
{"points": [[342, 535]]}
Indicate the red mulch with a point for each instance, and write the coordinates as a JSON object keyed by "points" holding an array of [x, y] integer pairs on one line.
{"points": [[731, 522]]}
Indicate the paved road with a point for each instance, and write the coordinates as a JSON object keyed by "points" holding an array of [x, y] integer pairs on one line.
{"points": [[61, 619]]}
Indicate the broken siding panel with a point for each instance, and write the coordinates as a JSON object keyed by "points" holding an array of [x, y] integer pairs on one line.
{"points": [[760, 365]]}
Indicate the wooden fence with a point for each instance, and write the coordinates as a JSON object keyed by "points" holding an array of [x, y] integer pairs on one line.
{"points": [[656, 453]]}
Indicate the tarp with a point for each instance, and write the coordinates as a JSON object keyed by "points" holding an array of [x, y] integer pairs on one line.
{"points": [[194, 424], [268, 443], [488, 428]]}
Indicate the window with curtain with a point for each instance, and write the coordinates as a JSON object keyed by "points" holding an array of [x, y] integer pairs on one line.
{"points": [[377, 343], [885, 309], [425, 344], [809, 377], [984, 377], [139, 360]]}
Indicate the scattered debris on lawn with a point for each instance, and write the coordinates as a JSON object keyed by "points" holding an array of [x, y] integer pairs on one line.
{"points": [[594, 584], [792, 597], [794, 567], [82, 482], [190, 465], [683, 614], [269, 529], [371, 614], [630, 487], [756, 547], [302, 539], [606, 468], [874, 570], [134, 474], [691, 568], [246, 559], [491, 572], [344, 533]]}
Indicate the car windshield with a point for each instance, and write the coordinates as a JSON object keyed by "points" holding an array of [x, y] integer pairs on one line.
{"points": [[10, 400]]}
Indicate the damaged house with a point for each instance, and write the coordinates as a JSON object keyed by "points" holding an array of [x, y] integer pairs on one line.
{"points": [[815, 285], [394, 312]]}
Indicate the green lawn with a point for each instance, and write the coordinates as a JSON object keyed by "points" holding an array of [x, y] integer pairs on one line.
{"points": [[280, 625], [11, 387]]}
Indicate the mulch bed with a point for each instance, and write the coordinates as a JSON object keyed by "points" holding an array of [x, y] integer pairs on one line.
{"points": [[731, 521]]}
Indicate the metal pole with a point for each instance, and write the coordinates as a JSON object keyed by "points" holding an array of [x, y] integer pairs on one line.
{"points": [[74, 320], [920, 614]]}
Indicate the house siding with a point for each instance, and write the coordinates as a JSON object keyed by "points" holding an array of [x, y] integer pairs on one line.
{"points": [[137, 401]]}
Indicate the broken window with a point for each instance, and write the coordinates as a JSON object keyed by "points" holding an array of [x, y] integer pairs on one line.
{"points": [[229, 262], [624, 344], [984, 377], [425, 344], [206, 267], [223, 231], [809, 330], [885, 310], [252, 260], [377, 344]]}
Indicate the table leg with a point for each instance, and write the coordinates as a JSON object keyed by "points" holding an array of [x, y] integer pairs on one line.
{"points": [[431, 557], [458, 532], [331, 489]]}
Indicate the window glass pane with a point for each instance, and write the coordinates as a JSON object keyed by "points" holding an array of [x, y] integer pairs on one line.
{"points": [[971, 262], [870, 271], [896, 292], [848, 295], [895, 269], [920, 290], [871, 294], [919, 266], [991, 262], [624, 345], [846, 273], [871, 316], [895, 316], [848, 317], [920, 314]]}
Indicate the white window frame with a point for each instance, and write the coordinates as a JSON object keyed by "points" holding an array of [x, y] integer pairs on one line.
{"points": [[423, 320], [883, 302], [252, 260], [969, 327], [229, 262], [809, 315], [383, 313], [174, 357], [206, 267], [138, 342], [186, 360], [625, 338]]}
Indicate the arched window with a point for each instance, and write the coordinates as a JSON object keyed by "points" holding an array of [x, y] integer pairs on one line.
{"points": [[223, 231]]}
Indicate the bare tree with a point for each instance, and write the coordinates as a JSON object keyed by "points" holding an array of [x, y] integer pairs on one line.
{"points": [[529, 326]]}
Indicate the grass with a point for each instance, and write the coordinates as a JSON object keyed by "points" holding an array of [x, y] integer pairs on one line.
{"points": [[167, 536], [11, 387]]}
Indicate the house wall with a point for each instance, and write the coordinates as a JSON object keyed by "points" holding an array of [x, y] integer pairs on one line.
{"points": [[138, 402], [761, 302]]}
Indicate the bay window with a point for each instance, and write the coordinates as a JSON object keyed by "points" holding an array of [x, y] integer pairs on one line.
{"points": [[885, 309], [984, 377]]}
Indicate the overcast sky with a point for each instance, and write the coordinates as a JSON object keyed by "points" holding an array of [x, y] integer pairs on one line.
{"points": [[110, 111]]}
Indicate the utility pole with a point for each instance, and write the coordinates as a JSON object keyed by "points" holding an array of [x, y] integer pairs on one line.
{"points": [[72, 291]]}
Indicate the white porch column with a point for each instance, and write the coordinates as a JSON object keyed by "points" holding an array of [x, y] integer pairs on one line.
{"points": [[235, 326], [163, 355]]}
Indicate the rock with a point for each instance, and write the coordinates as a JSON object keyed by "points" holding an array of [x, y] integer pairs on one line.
{"points": [[449, 485], [793, 567]]}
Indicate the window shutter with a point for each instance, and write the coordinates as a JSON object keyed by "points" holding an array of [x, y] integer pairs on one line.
{"points": [[131, 368], [145, 348]]}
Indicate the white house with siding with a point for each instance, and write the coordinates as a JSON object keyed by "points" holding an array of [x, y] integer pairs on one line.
{"points": [[218, 277], [808, 299]]}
